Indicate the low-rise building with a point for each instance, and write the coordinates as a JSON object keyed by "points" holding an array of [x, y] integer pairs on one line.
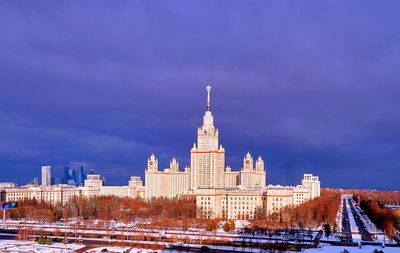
{"points": [[4, 185], [244, 202], [63, 193]]}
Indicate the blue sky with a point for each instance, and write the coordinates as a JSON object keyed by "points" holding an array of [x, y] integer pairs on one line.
{"points": [[312, 86]]}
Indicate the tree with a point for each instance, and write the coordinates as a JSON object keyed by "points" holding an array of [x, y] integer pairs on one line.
{"points": [[211, 225], [232, 225], [42, 238], [227, 227], [327, 229]]}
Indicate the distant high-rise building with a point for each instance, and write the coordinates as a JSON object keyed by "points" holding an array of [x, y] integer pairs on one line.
{"points": [[69, 176], [65, 177], [58, 181], [81, 176], [46, 175], [36, 181]]}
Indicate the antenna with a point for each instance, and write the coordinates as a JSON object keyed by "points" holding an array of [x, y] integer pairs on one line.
{"points": [[208, 89]]}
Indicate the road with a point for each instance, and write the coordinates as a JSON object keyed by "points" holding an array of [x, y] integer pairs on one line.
{"points": [[365, 235], [346, 231]]}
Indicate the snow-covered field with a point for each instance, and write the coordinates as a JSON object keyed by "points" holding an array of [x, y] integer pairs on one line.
{"points": [[119, 249], [27, 246], [363, 249]]}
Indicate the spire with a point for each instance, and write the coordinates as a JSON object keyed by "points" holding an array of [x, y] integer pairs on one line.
{"points": [[208, 89]]}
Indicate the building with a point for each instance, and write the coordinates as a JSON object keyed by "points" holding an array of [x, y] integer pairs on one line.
{"points": [[167, 183], [244, 202], [207, 157], [69, 176], [219, 190], [4, 185], [132, 190], [234, 203], [62, 193], [207, 167], [312, 183], [49, 194], [81, 176], [250, 175], [46, 175]]}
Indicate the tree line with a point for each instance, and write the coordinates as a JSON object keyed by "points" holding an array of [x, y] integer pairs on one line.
{"points": [[382, 197], [313, 213], [384, 218], [160, 211], [182, 212]]}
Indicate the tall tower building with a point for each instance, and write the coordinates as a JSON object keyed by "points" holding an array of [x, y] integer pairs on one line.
{"points": [[260, 172], [152, 178], [207, 157], [81, 176], [46, 175]]}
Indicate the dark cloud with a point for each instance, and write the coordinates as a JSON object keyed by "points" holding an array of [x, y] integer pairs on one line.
{"points": [[312, 86]]}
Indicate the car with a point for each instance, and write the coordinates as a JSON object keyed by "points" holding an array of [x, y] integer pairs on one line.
{"points": [[204, 249]]}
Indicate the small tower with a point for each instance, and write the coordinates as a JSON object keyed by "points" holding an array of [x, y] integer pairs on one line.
{"points": [[248, 162], [174, 165], [260, 164], [152, 163]]}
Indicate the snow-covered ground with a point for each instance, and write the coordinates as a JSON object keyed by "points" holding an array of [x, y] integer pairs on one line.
{"points": [[119, 249], [27, 246], [352, 221], [376, 233], [368, 224], [363, 249]]}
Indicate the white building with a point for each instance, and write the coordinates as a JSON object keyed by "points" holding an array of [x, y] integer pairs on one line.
{"points": [[243, 202], [312, 183], [46, 175], [62, 193], [207, 167], [220, 191], [167, 183], [4, 185]]}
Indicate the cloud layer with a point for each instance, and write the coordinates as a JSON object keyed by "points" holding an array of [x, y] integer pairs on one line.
{"points": [[312, 86]]}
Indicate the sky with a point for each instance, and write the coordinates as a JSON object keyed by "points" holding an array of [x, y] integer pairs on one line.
{"points": [[312, 86]]}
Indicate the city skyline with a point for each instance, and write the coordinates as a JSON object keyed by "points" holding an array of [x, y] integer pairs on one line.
{"points": [[108, 92]]}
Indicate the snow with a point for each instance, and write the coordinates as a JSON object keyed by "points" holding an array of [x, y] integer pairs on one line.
{"points": [[119, 249], [363, 249], [28, 246], [352, 221], [368, 224]]}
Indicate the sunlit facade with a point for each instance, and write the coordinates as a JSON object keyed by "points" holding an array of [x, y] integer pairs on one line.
{"points": [[219, 190], [60, 194]]}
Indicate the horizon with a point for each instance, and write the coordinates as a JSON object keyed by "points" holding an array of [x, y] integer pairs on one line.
{"points": [[311, 87]]}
